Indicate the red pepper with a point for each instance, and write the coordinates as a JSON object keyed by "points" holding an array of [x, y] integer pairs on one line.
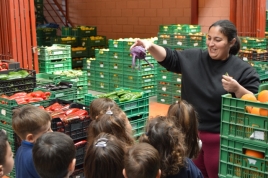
{"points": [[53, 107], [81, 112], [46, 95], [4, 66], [56, 113], [21, 101], [35, 99], [18, 95], [41, 107], [66, 107], [37, 94], [4, 96], [80, 144], [71, 111]]}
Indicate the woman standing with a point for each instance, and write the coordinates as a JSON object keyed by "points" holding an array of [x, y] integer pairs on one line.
{"points": [[206, 75]]}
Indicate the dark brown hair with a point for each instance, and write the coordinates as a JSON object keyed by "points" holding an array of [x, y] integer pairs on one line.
{"points": [[165, 137], [185, 117], [229, 30], [142, 161], [104, 158], [29, 119], [100, 104], [3, 146], [53, 152], [115, 124]]}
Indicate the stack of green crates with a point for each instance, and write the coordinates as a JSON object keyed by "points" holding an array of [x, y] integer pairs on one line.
{"points": [[78, 76], [54, 58], [84, 40], [244, 139], [253, 43], [137, 110], [168, 86], [44, 36], [112, 68], [181, 36], [39, 11]]}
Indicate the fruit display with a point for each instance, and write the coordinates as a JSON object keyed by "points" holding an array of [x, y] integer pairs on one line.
{"points": [[122, 95], [14, 75]]}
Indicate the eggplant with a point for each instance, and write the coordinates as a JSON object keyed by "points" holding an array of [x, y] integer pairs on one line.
{"points": [[54, 88], [63, 87]]}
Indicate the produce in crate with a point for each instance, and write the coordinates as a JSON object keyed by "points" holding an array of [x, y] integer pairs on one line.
{"points": [[121, 95], [138, 52], [14, 75], [25, 98], [55, 87], [69, 73]]}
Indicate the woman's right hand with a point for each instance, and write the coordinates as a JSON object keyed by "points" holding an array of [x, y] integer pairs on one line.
{"points": [[144, 43]]}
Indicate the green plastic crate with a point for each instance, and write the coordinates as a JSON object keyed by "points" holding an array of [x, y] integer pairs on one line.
{"points": [[91, 74], [102, 75], [176, 77], [43, 32], [89, 63], [236, 123], [176, 88], [93, 41], [91, 84], [197, 41], [77, 62], [101, 65], [102, 54], [116, 67], [138, 124], [44, 78], [235, 163], [164, 39], [165, 86], [70, 40], [81, 91], [180, 40], [102, 86], [44, 41], [250, 42], [84, 31], [81, 52], [49, 66], [56, 51], [139, 70], [163, 97], [114, 86], [176, 97], [80, 79], [116, 78], [164, 75], [131, 108], [120, 45]]}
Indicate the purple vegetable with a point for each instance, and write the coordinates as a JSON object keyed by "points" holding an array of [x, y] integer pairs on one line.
{"points": [[138, 52]]}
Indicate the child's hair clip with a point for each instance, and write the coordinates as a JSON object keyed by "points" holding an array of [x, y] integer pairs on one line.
{"points": [[101, 142], [109, 112]]}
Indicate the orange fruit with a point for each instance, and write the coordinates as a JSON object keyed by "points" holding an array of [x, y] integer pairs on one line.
{"points": [[263, 96], [255, 111], [263, 112], [254, 153], [248, 97]]}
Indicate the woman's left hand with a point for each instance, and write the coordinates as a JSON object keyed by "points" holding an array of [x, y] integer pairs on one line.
{"points": [[229, 84]]}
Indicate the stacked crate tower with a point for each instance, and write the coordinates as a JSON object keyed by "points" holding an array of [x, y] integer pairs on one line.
{"points": [[244, 137], [112, 68], [39, 12], [177, 37]]}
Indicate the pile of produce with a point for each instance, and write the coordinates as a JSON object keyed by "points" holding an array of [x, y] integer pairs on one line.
{"points": [[121, 95], [69, 73], [14, 75], [25, 98], [65, 113], [55, 87]]}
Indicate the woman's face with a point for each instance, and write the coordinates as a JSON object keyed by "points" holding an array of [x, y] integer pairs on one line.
{"points": [[217, 44], [9, 161]]}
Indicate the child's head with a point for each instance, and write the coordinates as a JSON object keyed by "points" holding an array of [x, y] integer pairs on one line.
{"points": [[104, 157], [138, 162], [30, 122], [113, 121], [185, 117], [100, 104], [54, 155], [165, 137], [6, 155]]}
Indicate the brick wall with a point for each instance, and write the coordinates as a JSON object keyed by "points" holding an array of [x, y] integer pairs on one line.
{"points": [[211, 11], [129, 18]]}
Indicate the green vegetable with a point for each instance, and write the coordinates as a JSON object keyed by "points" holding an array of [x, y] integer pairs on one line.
{"points": [[14, 75], [113, 97], [23, 73], [3, 77], [122, 92]]}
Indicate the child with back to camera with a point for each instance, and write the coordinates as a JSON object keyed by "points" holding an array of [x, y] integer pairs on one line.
{"points": [[113, 121], [142, 161], [54, 155], [104, 157], [6, 155], [100, 104], [29, 123], [165, 137], [185, 117]]}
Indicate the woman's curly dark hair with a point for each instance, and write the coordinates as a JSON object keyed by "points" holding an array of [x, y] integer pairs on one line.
{"points": [[162, 134]]}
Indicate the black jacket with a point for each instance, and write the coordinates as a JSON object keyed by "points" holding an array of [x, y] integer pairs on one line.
{"points": [[201, 81]]}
